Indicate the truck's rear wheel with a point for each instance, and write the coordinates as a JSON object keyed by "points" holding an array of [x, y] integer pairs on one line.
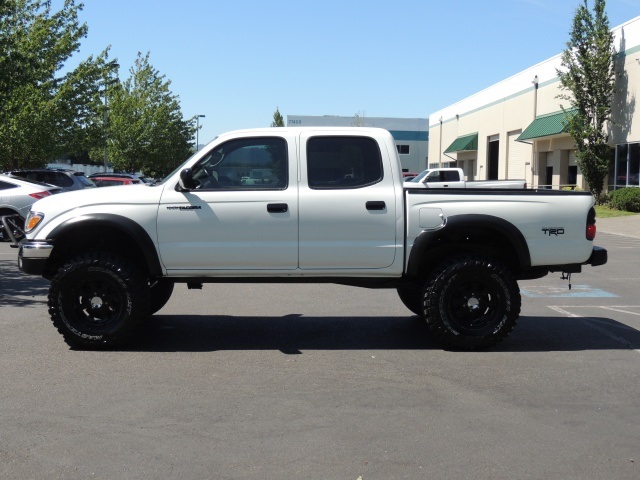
{"points": [[471, 302], [97, 299]]}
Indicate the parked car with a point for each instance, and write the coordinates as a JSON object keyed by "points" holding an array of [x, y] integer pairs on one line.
{"points": [[17, 196], [131, 176], [67, 179], [109, 181]]}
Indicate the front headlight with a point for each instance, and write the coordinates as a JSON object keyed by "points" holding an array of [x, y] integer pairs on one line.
{"points": [[32, 221]]}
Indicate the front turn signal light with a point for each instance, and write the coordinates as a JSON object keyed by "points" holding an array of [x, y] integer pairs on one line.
{"points": [[33, 220]]}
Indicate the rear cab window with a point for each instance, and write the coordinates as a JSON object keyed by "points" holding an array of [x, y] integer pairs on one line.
{"points": [[342, 162]]}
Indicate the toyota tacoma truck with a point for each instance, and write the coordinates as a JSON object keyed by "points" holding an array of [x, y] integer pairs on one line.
{"points": [[329, 206]]}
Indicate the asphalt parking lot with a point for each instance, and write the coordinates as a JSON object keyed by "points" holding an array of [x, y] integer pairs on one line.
{"points": [[329, 382]]}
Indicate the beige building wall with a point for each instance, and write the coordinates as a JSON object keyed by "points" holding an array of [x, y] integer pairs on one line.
{"points": [[502, 111]]}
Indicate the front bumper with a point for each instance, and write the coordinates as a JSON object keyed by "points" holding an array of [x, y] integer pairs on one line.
{"points": [[33, 256]]}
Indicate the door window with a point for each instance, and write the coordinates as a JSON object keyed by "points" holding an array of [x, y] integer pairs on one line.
{"points": [[244, 164], [343, 162]]}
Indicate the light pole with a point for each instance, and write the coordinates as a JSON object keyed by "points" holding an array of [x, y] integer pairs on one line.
{"points": [[108, 81], [198, 117]]}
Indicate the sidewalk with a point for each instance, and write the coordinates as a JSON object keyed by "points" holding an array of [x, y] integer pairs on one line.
{"points": [[628, 226]]}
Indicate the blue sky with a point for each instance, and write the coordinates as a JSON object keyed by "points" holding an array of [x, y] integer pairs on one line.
{"points": [[235, 61]]}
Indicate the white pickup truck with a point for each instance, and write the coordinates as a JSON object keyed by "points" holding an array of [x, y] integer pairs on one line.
{"points": [[331, 207], [454, 178]]}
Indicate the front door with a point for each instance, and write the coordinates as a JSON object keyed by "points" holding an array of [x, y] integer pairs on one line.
{"points": [[242, 215]]}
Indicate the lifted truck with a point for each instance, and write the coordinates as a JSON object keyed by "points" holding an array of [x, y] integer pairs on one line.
{"points": [[332, 210]]}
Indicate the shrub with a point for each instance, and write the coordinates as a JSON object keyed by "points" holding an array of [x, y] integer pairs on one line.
{"points": [[627, 199]]}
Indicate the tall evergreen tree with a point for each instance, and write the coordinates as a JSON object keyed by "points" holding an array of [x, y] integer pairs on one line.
{"points": [[588, 75], [146, 130]]}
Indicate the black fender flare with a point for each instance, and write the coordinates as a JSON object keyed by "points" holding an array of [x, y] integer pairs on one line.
{"points": [[460, 222], [116, 222]]}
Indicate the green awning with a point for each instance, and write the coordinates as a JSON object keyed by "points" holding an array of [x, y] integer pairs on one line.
{"points": [[466, 143], [546, 125]]}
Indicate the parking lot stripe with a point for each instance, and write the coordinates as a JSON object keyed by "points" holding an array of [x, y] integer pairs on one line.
{"points": [[592, 322], [621, 311]]}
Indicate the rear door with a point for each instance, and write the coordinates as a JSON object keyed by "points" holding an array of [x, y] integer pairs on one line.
{"points": [[348, 213]]}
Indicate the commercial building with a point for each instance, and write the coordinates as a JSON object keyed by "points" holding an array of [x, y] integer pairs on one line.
{"points": [[515, 128], [411, 134]]}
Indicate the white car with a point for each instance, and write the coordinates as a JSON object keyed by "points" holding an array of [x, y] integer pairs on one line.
{"points": [[17, 196]]}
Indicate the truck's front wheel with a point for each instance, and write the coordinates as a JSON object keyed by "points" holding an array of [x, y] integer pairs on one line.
{"points": [[97, 299], [471, 302]]}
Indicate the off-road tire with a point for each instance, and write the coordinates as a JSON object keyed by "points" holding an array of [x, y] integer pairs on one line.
{"points": [[97, 299], [471, 302], [159, 295]]}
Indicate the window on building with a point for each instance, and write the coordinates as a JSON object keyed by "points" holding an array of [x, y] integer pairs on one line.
{"points": [[403, 149], [634, 165], [626, 169], [343, 162]]}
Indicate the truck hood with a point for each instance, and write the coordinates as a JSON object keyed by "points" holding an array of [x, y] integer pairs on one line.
{"points": [[116, 195]]}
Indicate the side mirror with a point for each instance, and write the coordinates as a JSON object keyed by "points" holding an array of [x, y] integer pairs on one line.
{"points": [[186, 180]]}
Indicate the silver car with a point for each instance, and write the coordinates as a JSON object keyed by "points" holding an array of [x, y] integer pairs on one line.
{"points": [[17, 196], [67, 179]]}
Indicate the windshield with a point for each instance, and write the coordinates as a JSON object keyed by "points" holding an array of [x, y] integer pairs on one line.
{"points": [[85, 181], [418, 178]]}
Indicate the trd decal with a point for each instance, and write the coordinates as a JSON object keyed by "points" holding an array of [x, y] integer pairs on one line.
{"points": [[553, 231]]}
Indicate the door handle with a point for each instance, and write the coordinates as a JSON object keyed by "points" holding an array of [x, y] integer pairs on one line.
{"points": [[277, 207], [376, 205]]}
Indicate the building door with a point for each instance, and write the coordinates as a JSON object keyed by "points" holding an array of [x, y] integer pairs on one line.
{"points": [[493, 160], [548, 182]]}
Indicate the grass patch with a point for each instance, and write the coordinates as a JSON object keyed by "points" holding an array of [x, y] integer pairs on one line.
{"points": [[606, 212]]}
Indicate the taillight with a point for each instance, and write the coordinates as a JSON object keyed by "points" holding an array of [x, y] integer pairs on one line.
{"points": [[39, 195], [591, 224]]}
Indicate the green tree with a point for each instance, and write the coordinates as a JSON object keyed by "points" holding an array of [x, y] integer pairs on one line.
{"points": [[588, 75], [146, 130], [43, 112], [278, 121]]}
